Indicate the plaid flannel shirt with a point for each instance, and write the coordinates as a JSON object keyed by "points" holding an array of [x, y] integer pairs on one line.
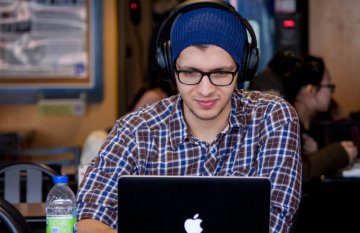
{"points": [[262, 139]]}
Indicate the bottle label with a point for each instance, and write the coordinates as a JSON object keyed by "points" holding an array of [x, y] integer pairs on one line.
{"points": [[60, 224]]}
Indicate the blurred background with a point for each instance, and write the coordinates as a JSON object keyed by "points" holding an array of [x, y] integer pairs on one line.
{"points": [[123, 51]]}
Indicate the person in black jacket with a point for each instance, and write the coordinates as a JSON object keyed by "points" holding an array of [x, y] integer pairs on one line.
{"points": [[305, 82], [309, 89]]}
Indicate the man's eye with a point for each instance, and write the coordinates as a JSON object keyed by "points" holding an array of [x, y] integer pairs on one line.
{"points": [[189, 73], [220, 75]]}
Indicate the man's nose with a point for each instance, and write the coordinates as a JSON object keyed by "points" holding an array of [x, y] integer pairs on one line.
{"points": [[205, 87]]}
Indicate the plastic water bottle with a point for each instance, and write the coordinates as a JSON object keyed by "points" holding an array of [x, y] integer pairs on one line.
{"points": [[60, 207]]}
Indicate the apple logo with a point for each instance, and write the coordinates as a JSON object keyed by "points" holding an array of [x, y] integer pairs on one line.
{"points": [[193, 225]]}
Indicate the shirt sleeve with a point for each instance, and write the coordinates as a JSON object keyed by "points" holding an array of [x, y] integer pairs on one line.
{"points": [[97, 194], [280, 161]]}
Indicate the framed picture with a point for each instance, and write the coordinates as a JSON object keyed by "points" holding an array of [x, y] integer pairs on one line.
{"points": [[50, 48]]}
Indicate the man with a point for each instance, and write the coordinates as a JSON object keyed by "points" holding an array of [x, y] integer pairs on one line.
{"points": [[209, 129]]}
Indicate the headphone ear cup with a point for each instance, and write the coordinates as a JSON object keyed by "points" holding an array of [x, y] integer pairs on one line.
{"points": [[168, 60], [253, 62], [250, 63], [160, 58], [163, 56]]}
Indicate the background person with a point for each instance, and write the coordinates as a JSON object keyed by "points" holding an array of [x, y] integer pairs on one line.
{"points": [[306, 83], [156, 87], [308, 88], [271, 79]]}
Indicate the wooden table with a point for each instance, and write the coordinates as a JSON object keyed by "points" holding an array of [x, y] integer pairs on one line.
{"points": [[33, 212]]}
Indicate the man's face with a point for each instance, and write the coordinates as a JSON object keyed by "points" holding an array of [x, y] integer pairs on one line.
{"points": [[205, 101]]}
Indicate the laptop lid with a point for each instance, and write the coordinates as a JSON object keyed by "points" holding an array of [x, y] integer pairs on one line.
{"points": [[183, 204]]}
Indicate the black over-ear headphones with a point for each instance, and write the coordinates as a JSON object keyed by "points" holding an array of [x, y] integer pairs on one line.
{"points": [[163, 49]]}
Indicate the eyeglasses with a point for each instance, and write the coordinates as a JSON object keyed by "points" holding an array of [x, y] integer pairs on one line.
{"points": [[217, 78], [330, 86]]}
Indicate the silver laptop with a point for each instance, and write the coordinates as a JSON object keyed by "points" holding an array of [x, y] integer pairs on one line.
{"points": [[184, 204]]}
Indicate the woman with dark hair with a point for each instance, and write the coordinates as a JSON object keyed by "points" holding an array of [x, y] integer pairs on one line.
{"points": [[308, 88], [270, 80]]}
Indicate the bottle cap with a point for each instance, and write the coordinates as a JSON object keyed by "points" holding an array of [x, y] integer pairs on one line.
{"points": [[60, 179]]}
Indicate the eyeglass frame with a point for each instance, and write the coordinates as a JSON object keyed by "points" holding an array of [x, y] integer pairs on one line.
{"points": [[331, 86], [208, 74]]}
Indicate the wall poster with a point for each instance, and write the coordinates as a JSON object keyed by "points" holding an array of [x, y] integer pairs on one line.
{"points": [[49, 47]]}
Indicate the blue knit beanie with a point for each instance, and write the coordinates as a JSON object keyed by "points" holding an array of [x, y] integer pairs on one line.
{"points": [[209, 26]]}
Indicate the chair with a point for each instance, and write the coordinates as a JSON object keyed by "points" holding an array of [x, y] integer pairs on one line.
{"points": [[337, 130], [12, 218], [14, 175], [13, 140], [63, 156], [8, 140], [63, 160]]}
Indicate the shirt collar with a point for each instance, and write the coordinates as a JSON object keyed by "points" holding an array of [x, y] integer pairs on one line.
{"points": [[237, 117], [177, 126]]}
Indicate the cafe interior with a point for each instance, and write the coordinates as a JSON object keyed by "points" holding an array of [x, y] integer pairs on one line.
{"points": [[70, 69]]}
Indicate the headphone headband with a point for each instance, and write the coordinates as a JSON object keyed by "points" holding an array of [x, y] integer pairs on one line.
{"points": [[163, 43]]}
